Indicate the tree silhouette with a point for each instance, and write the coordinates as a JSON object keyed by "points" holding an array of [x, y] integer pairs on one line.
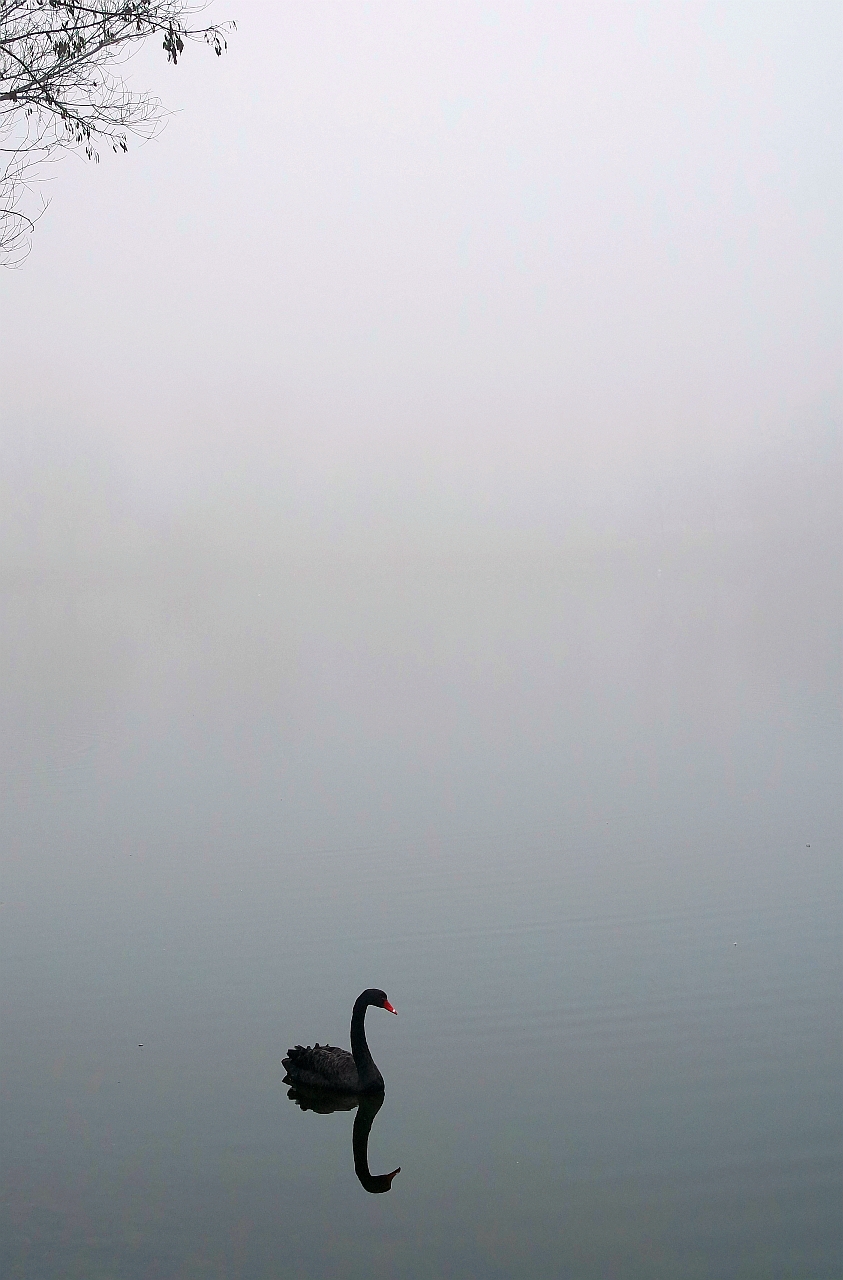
{"points": [[60, 88]]}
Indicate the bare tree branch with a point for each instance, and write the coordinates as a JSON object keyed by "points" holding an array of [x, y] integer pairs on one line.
{"points": [[59, 88]]}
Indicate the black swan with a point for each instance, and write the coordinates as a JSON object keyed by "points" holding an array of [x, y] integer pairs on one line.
{"points": [[326, 1067]]}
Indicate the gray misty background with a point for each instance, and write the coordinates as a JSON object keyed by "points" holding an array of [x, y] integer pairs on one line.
{"points": [[504, 340], [420, 549]]}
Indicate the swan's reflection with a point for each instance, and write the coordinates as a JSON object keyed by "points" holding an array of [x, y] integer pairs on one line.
{"points": [[368, 1106]]}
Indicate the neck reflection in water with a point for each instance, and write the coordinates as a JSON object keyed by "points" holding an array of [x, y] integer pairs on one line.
{"points": [[368, 1106]]}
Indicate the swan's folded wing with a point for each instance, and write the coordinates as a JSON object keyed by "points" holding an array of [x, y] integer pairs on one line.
{"points": [[323, 1064]]}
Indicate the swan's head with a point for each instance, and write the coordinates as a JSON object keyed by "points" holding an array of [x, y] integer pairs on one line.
{"points": [[378, 998]]}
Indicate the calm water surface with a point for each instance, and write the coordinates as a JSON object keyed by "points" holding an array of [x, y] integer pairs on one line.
{"points": [[593, 861]]}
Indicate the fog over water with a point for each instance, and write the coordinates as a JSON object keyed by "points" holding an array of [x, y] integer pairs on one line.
{"points": [[420, 545]]}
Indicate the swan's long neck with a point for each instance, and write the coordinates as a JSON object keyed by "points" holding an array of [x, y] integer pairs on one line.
{"points": [[370, 1077]]}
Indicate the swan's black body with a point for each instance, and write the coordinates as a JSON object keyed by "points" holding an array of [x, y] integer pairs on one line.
{"points": [[326, 1067]]}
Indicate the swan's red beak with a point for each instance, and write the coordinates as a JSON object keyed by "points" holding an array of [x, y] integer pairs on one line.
{"points": [[389, 1008]]}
